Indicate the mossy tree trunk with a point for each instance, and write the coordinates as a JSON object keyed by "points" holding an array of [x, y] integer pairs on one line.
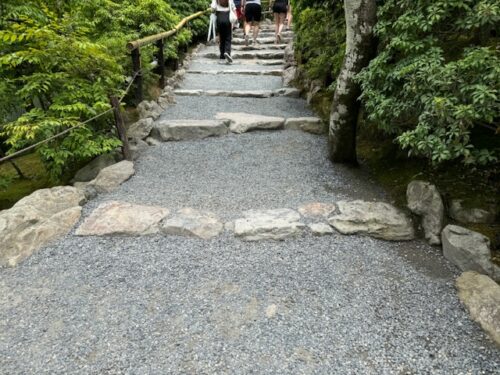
{"points": [[360, 18]]}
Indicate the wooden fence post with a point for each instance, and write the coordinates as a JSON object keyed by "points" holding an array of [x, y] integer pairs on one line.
{"points": [[120, 127], [136, 65], [161, 62]]}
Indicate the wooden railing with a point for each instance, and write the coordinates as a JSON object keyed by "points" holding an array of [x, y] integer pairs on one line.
{"points": [[135, 48]]}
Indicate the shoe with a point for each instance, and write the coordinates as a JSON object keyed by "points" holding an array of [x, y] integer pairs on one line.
{"points": [[228, 57]]}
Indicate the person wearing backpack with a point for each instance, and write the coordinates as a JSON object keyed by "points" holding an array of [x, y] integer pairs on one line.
{"points": [[253, 16], [280, 10], [222, 9]]}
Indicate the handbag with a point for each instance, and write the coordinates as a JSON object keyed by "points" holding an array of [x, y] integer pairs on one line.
{"points": [[233, 18]]}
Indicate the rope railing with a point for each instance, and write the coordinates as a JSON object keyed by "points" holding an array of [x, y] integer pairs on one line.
{"points": [[134, 47], [114, 102]]}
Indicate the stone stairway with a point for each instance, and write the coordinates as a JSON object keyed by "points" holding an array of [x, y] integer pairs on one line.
{"points": [[226, 247]]}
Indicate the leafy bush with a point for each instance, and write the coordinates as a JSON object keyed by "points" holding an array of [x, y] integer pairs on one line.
{"points": [[61, 61], [320, 38], [436, 78]]}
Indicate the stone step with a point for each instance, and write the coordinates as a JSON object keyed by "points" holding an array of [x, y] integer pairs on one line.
{"points": [[261, 47], [264, 33], [240, 122], [246, 62], [178, 130], [263, 55], [274, 72], [260, 40], [288, 92]]}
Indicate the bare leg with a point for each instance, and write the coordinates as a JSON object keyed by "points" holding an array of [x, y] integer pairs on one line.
{"points": [[281, 23], [246, 28], [276, 25], [255, 31]]}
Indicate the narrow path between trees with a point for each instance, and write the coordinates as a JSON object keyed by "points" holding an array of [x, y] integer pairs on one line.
{"points": [[167, 304]]}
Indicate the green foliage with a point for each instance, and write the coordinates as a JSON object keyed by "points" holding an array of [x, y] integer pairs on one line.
{"points": [[436, 78], [60, 62], [320, 38]]}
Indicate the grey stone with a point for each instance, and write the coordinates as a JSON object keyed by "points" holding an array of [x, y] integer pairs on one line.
{"points": [[317, 209], [193, 223], [289, 56], [188, 92], [424, 200], [92, 169], [113, 176], [288, 92], [481, 297], [137, 147], [376, 219], [275, 224], [261, 40], [289, 75], [244, 122], [37, 220], [312, 125], [140, 129], [470, 215], [166, 99], [468, 250], [122, 218], [149, 109], [320, 229], [152, 141], [178, 130]]}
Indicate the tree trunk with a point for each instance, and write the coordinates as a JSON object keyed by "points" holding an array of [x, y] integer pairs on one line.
{"points": [[360, 18]]}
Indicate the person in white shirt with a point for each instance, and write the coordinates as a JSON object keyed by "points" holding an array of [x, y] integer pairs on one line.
{"points": [[253, 16], [224, 27]]}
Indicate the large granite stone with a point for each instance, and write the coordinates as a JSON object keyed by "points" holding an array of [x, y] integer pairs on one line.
{"points": [[193, 223], [424, 200], [470, 215], [37, 220], [275, 224], [92, 169], [468, 250], [178, 130], [376, 219], [244, 122], [481, 297], [312, 125], [122, 218], [111, 177], [140, 129]]}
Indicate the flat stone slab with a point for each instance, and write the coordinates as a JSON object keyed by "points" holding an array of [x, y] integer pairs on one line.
{"points": [[481, 297], [263, 40], [240, 122], [262, 94], [111, 177], [275, 224], [376, 219], [320, 229], [256, 54], [178, 130], [122, 218], [262, 47], [317, 209], [312, 125], [37, 220], [273, 72], [193, 223]]}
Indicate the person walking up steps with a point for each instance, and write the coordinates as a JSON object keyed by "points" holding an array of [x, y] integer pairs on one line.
{"points": [[280, 9], [224, 27], [253, 16]]}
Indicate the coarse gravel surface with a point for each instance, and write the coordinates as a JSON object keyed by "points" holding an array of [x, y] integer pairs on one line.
{"points": [[171, 305], [231, 82], [204, 107]]}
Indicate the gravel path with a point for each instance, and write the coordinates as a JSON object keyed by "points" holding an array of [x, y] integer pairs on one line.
{"points": [[171, 305]]}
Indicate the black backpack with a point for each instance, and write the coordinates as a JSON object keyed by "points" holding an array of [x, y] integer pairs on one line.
{"points": [[223, 3]]}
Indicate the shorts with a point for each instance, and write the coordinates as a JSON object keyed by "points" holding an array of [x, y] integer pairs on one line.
{"points": [[281, 9], [253, 12]]}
